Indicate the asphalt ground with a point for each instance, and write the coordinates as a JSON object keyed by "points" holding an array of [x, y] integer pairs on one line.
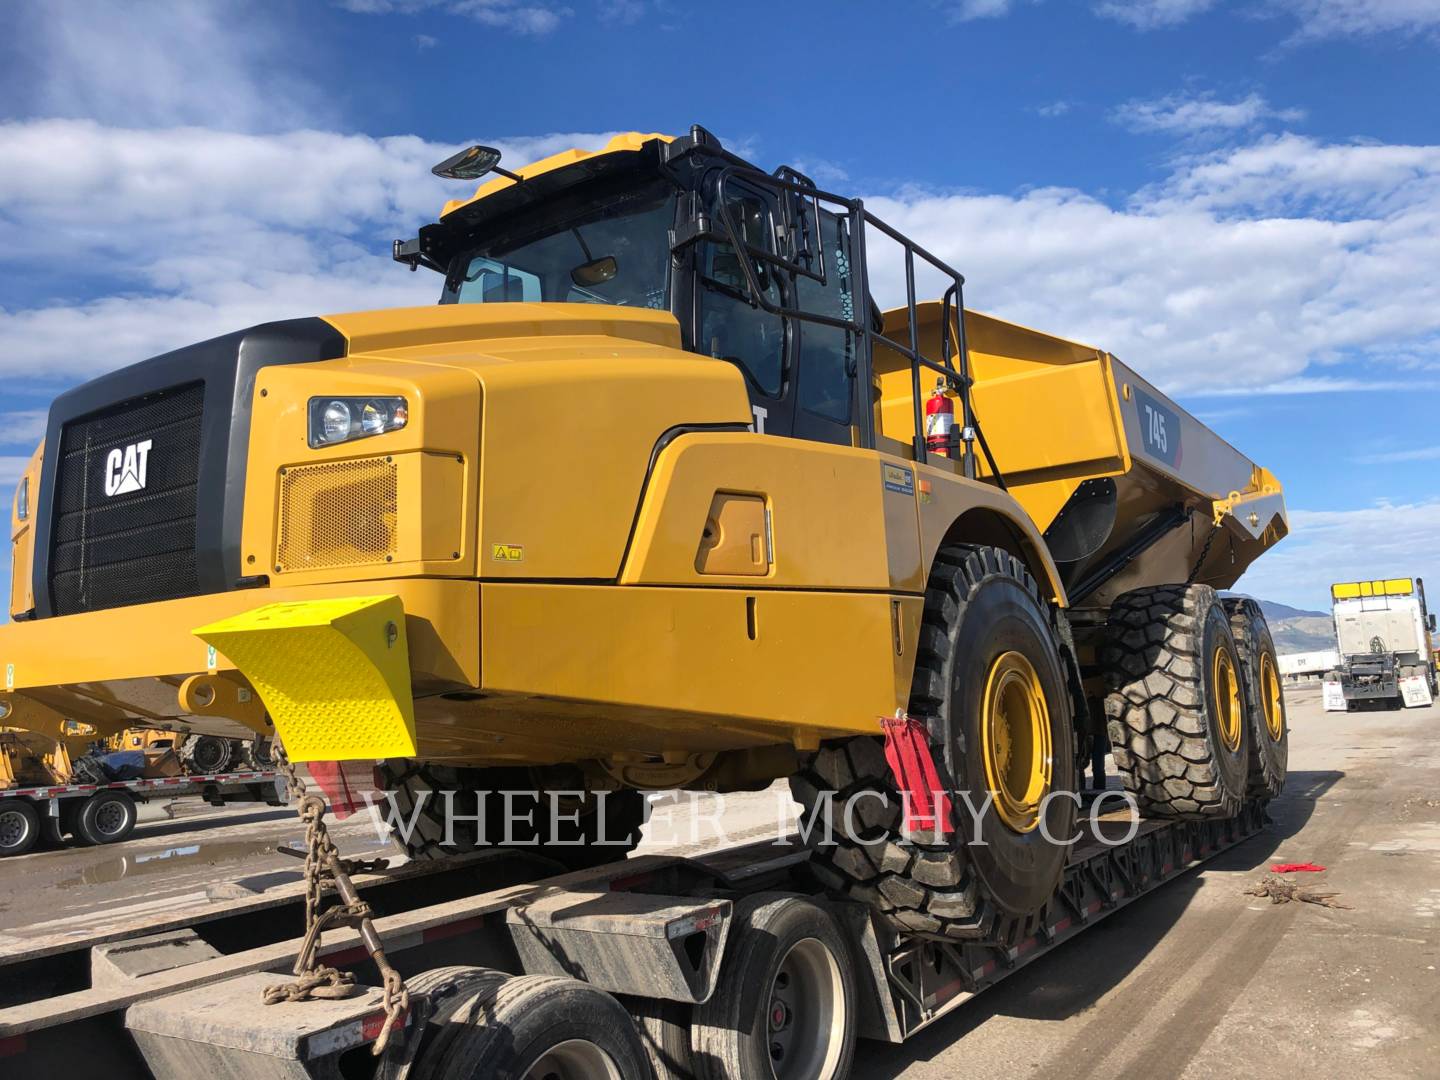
{"points": [[1198, 979]]}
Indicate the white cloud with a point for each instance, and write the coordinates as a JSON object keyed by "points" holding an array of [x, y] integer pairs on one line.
{"points": [[1397, 457], [967, 10], [1229, 276], [211, 231], [1178, 114], [1152, 14], [10, 470], [625, 12], [514, 15], [1054, 109], [152, 63], [1341, 18], [1383, 540], [24, 428], [425, 41]]}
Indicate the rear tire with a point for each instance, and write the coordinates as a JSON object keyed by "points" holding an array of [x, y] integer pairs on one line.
{"points": [[785, 1005], [1175, 706], [608, 828], [990, 684], [448, 989], [19, 826], [535, 1027], [1264, 697], [107, 817], [259, 753]]}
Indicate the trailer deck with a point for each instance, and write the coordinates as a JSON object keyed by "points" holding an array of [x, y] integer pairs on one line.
{"points": [[65, 1000]]}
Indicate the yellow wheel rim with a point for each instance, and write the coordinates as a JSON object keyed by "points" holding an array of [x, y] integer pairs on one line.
{"points": [[1225, 689], [1015, 741], [1271, 698]]}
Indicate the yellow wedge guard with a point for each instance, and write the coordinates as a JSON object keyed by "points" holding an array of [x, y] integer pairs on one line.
{"points": [[333, 674]]}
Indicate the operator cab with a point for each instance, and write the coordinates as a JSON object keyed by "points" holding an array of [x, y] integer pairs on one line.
{"points": [[763, 271]]}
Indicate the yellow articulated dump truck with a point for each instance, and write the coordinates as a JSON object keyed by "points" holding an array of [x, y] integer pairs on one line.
{"points": [[658, 496]]}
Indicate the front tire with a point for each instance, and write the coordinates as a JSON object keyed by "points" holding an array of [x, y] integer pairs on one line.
{"points": [[990, 685], [19, 826]]}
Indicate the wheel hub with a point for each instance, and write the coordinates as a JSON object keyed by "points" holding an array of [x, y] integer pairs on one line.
{"points": [[12, 829], [1015, 741], [806, 1008], [1225, 688], [1272, 698], [577, 1059]]}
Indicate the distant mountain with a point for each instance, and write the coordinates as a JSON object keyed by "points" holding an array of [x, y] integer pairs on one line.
{"points": [[1296, 630]]}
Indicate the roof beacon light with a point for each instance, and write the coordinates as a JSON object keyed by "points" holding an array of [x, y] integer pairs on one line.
{"points": [[473, 163]]}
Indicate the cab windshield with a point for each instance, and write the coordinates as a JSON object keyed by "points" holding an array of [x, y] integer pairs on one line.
{"points": [[611, 252]]}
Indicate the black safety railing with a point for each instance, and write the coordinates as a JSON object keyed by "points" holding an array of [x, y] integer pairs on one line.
{"points": [[806, 243]]}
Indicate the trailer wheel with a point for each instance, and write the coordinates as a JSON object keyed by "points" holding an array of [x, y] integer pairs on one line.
{"points": [[535, 1027], [107, 817], [205, 755], [1176, 703], [1264, 697], [664, 1028], [19, 826], [448, 989], [614, 819], [991, 684], [785, 1003]]}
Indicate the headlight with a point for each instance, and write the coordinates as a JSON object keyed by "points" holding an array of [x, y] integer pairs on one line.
{"points": [[337, 420], [22, 500]]}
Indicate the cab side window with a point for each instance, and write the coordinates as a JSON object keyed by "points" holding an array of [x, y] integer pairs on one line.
{"points": [[828, 353], [731, 328]]}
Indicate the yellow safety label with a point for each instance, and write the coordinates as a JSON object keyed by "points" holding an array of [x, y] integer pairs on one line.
{"points": [[507, 552]]}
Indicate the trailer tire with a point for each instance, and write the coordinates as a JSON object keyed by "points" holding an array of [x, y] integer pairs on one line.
{"points": [[577, 847], [107, 817], [19, 826], [1264, 697], [1175, 705], [985, 632], [447, 990], [786, 990], [664, 1028], [205, 755], [509, 1027]]}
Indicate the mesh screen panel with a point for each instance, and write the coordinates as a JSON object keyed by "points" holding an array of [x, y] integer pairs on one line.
{"points": [[340, 513], [134, 546]]}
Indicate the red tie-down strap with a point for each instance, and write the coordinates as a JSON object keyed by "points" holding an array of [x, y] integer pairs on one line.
{"points": [[907, 749], [330, 778]]}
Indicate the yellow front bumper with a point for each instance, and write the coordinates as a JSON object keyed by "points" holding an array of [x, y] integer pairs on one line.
{"points": [[130, 663]]}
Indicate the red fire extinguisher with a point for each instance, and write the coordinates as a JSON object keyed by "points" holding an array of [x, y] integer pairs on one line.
{"points": [[940, 422]]}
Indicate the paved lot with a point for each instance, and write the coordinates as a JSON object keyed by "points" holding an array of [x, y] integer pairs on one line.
{"points": [[1197, 980]]}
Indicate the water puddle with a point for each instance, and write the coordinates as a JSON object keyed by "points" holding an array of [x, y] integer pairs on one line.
{"points": [[122, 866]]}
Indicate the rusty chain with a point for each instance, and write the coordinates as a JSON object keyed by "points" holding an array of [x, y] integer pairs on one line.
{"points": [[1204, 554], [326, 871]]}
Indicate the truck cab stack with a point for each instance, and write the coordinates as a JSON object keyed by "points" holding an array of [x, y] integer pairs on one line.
{"points": [[1387, 658]]}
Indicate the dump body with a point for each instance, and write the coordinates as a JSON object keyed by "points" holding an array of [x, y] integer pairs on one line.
{"points": [[1127, 487]]}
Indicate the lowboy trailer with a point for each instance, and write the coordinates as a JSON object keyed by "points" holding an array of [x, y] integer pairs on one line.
{"points": [[651, 961], [107, 813]]}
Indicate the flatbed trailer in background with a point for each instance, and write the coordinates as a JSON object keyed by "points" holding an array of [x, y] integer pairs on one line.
{"points": [[106, 813], [673, 940]]}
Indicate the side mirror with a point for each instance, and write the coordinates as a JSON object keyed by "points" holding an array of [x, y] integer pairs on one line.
{"points": [[1432, 624]]}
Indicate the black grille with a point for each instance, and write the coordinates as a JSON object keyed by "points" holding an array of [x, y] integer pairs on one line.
{"points": [[138, 544]]}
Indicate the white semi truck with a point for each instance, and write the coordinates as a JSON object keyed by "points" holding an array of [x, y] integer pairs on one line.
{"points": [[1382, 630]]}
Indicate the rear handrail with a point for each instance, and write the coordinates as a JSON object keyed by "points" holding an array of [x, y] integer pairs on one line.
{"points": [[859, 218]]}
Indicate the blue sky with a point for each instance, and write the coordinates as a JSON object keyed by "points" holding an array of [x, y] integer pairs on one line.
{"points": [[1241, 200]]}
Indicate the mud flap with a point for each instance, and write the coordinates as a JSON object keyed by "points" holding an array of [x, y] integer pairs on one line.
{"points": [[334, 674], [1416, 692]]}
